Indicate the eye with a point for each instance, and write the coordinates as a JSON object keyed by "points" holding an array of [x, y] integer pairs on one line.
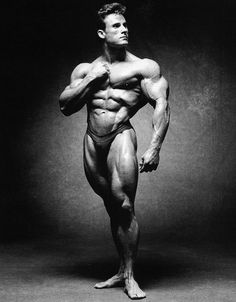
{"points": [[116, 25]]}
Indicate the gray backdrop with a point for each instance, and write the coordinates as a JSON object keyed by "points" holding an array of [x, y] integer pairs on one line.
{"points": [[44, 189]]}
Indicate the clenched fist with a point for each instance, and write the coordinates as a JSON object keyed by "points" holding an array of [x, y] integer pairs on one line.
{"points": [[99, 70], [149, 160]]}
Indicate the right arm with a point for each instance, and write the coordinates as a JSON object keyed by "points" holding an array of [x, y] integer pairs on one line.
{"points": [[74, 96]]}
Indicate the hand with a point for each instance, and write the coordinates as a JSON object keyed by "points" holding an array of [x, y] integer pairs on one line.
{"points": [[100, 70], [149, 160]]}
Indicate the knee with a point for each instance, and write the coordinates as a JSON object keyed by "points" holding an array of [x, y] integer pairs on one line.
{"points": [[121, 201], [126, 205], [122, 212]]}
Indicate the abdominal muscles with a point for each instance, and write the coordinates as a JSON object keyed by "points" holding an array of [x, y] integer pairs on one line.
{"points": [[109, 108]]}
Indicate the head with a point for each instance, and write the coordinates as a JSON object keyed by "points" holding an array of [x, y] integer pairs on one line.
{"points": [[112, 27]]}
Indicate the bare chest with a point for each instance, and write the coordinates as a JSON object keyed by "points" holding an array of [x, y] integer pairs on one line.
{"points": [[123, 85], [121, 89], [123, 76]]}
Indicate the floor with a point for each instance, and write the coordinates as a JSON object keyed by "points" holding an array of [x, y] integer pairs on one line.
{"points": [[65, 270]]}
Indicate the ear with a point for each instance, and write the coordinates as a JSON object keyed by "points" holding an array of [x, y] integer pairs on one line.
{"points": [[101, 34]]}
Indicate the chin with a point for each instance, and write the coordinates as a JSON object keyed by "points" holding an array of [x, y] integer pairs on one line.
{"points": [[120, 45], [124, 44]]}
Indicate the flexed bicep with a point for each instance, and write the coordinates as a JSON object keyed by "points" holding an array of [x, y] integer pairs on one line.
{"points": [[153, 84], [155, 88]]}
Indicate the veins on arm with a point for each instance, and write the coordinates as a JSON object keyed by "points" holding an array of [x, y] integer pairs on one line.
{"points": [[155, 87]]}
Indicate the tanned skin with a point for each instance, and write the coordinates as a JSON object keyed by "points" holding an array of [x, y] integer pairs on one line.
{"points": [[114, 87]]}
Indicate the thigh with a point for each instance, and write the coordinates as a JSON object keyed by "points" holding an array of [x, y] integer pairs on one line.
{"points": [[95, 168], [123, 166]]}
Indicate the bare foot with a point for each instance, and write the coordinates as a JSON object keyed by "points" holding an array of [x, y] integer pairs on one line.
{"points": [[133, 290], [117, 280]]}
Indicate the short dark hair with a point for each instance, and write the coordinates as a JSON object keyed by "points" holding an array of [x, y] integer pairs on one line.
{"points": [[107, 9]]}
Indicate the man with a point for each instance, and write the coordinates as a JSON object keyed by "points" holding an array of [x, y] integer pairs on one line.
{"points": [[114, 87]]}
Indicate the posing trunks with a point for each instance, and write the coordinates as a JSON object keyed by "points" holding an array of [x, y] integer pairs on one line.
{"points": [[104, 141]]}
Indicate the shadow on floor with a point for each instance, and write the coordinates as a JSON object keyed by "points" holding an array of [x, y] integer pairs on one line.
{"points": [[156, 263]]}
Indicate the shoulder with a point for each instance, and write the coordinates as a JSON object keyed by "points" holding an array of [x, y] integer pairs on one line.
{"points": [[149, 68], [80, 71], [146, 67]]}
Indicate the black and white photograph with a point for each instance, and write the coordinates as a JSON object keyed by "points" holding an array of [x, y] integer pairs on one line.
{"points": [[118, 151]]}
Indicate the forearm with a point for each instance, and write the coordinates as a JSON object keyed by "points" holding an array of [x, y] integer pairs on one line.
{"points": [[74, 97], [160, 122]]}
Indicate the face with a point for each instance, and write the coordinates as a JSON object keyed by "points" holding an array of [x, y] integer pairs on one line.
{"points": [[116, 32]]}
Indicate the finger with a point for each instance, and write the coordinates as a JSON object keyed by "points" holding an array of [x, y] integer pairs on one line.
{"points": [[145, 168], [154, 167], [141, 161], [141, 164], [107, 67], [150, 168], [141, 168]]}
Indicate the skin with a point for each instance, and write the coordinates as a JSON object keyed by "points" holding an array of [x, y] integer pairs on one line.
{"points": [[114, 87]]}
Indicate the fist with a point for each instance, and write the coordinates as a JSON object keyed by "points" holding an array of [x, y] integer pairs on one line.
{"points": [[100, 70], [149, 161]]}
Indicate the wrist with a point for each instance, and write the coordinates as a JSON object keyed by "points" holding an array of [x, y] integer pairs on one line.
{"points": [[155, 147], [156, 142], [90, 77]]}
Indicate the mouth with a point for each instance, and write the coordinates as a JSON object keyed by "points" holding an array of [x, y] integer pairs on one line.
{"points": [[124, 37]]}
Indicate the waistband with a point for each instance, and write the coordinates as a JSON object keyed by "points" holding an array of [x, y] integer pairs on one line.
{"points": [[126, 125]]}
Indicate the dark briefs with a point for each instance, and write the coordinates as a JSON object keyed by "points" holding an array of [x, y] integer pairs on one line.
{"points": [[104, 141]]}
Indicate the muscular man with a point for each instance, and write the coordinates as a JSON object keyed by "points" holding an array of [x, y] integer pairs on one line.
{"points": [[114, 87]]}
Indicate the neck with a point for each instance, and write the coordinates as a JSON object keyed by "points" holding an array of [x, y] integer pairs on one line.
{"points": [[113, 54]]}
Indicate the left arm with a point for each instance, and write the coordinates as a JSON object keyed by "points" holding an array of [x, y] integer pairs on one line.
{"points": [[155, 88]]}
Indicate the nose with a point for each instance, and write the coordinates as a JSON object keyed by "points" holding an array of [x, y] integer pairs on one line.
{"points": [[124, 29]]}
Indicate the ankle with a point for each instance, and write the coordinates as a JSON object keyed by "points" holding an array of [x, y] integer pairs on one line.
{"points": [[128, 276], [121, 271]]}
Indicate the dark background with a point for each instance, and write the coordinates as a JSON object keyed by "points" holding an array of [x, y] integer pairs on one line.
{"points": [[44, 191]]}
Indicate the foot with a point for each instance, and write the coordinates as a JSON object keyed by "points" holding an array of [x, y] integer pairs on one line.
{"points": [[117, 280], [133, 290]]}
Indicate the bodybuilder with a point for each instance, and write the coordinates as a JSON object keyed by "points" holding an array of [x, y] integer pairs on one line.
{"points": [[114, 87]]}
